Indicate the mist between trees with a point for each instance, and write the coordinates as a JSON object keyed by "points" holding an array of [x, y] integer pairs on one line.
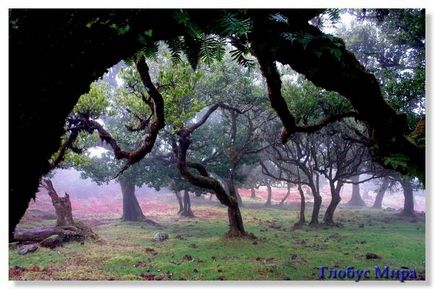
{"points": [[265, 110]]}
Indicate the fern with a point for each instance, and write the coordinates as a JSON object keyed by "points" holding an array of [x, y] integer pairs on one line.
{"points": [[230, 25], [238, 55], [212, 49], [150, 50], [176, 47]]}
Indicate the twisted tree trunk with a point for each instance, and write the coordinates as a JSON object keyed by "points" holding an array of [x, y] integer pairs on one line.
{"points": [[336, 198], [204, 180], [288, 192], [62, 205], [378, 203]]}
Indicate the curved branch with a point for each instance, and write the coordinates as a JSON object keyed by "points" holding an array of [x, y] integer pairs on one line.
{"points": [[274, 85], [325, 61], [68, 144], [326, 121], [204, 118], [203, 180]]}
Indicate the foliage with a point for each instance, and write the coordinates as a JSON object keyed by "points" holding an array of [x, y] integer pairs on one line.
{"points": [[94, 103], [391, 43], [178, 83], [308, 102]]}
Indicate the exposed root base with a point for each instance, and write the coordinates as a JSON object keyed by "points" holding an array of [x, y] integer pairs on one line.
{"points": [[187, 214], [407, 215], [240, 235], [297, 226]]}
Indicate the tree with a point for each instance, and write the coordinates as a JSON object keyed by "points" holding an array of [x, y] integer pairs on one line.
{"points": [[253, 179], [390, 43], [242, 115], [105, 167], [66, 228], [203, 179], [290, 164], [356, 199], [407, 187], [288, 192], [351, 81], [340, 159], [94, 38], [93, 107], [62, 205], [380, 193]]}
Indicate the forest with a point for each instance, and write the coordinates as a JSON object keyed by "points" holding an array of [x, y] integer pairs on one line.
{"points": [[176, 144]]}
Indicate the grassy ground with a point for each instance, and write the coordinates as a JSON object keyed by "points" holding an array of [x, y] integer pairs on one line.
{"points": [[197, 250]]}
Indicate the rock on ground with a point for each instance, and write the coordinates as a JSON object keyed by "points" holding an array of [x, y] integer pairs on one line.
{"points": [[25, 249], [159, 236]]}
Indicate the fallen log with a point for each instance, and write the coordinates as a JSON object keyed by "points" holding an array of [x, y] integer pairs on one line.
{"points": [[66, 228], [41, 233], [79, 232]]}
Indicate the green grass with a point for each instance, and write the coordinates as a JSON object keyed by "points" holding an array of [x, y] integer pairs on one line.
{"points": [[277, 254]]}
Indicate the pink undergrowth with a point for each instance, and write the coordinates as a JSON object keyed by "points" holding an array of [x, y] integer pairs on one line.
{"points": [[163, 205]]}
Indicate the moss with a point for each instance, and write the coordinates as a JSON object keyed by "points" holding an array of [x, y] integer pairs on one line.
{"points": [[278, 254]]}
